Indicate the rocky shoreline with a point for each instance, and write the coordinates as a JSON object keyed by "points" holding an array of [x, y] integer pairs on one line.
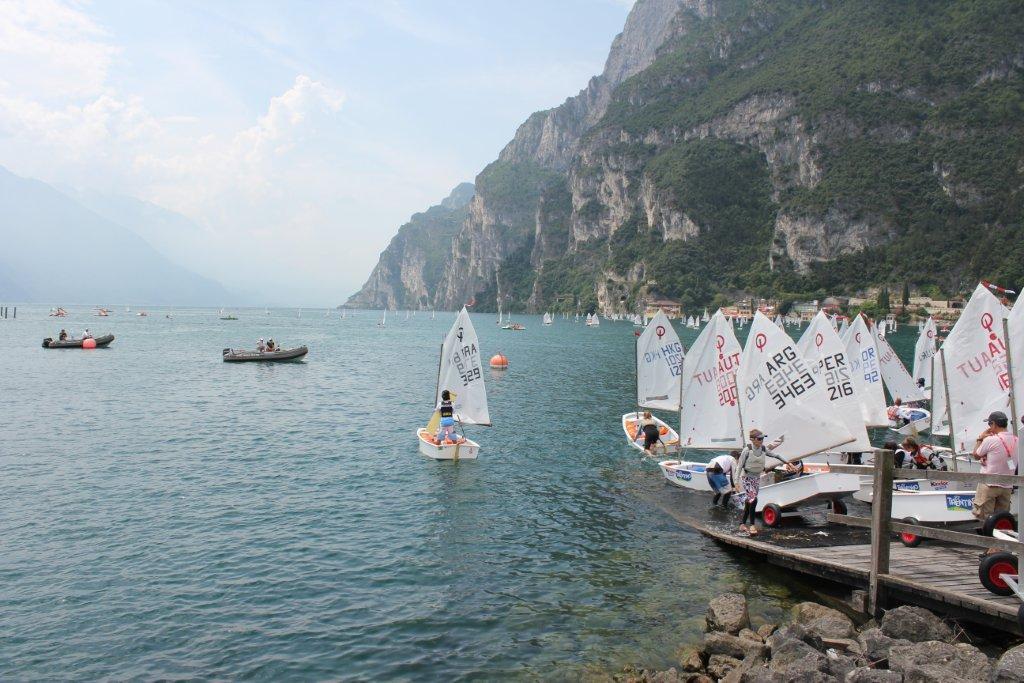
{"points": [[820, 644]]}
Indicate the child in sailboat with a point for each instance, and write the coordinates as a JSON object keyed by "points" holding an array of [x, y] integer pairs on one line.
{"points": [[447, 431], [651, 432]]}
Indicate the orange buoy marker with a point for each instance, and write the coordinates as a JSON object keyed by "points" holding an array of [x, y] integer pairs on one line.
{"points": [[89, 343], [499, 361]]}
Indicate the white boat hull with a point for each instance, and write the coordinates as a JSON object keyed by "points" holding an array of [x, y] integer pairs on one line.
{"points": [[809, 488], [915, 427], [669, 436], [928, 500], [687, 475], [467, 449]]}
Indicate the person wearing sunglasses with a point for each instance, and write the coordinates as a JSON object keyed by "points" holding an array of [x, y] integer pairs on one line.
{"points": [[750, 467]]}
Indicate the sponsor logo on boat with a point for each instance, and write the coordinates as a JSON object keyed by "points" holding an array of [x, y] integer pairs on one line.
{"points": [[959, 503], [684, 475], [908, 486], [940, 485]]}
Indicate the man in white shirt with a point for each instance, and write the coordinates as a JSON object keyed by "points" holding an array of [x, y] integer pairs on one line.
{"points": [[719, 473]]}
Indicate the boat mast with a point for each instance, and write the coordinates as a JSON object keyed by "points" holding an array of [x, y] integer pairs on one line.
{"points": [[636, 373], [949, 407], [1009, 372]]}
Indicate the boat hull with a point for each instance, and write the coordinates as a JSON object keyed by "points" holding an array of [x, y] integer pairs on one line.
{"points": [[686, 475], [466, 450], [283, 356], [101, 342], [669, 436], [809, 488], [915, 427]]}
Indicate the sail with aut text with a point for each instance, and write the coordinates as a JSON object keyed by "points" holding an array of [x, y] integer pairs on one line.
{"points": [[710, 410]]}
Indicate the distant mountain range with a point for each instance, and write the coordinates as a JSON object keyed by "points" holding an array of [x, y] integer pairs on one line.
{"points": [[66, 247]]}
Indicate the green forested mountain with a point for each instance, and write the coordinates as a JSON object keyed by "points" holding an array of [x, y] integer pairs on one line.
{"points": [[746, 146]]}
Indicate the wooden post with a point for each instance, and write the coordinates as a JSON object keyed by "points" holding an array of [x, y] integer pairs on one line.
{"points": [[881, 513]]}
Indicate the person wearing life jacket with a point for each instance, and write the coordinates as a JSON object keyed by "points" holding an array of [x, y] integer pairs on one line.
{"points": [[271, 346], [995, 449], [447, 411], [63, 336], [749, 468], [893, 412]]}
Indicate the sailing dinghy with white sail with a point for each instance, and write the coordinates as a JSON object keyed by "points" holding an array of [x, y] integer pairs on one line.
{"points": [[659, 367], [780, 394], [924, 356], [547, 319], [460, 371], [709, 416], [863, 355], [904, 419]]}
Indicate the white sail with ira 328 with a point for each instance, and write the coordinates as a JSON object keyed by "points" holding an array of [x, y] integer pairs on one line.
{"points": [[820, 344], [709, 416], [974, 360], [863, 355], [460, 372], [659, 367], [781, 396]]}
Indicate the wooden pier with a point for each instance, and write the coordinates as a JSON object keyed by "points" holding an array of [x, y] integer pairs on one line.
{"points": [[941, 575]]}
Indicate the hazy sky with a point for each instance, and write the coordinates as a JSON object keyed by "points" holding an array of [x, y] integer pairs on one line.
{"points": [[299, 134]]}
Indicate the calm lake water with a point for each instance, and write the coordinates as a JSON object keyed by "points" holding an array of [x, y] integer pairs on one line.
{"points": [[164, 514]]}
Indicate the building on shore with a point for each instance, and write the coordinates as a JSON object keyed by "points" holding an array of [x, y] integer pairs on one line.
{"points": [[805, 310], [941, 309], [671, 308]]}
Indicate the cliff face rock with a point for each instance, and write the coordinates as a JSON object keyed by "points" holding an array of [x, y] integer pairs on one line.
{"points": [[743, 146], [410, 267]]}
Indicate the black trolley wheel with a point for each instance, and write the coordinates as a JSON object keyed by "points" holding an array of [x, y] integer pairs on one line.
{"points": [[990, 569], [771, 515], [1002, 520], [908, 539]]}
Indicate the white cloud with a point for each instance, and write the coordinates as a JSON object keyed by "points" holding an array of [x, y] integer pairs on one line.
{"points": [[48, 48]]}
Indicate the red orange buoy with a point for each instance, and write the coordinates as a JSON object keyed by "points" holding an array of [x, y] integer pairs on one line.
{"points": [[89, 343], [499, 361]]}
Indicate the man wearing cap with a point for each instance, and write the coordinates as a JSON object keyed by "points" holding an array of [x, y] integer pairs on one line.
{"points": [[995, 449]]}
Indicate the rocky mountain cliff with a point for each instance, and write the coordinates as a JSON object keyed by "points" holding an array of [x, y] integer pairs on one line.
{"points": [[411, 266], [743, 146]]}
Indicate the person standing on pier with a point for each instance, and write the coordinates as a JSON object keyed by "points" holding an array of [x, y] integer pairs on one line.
{"points": [[750, 467], [995, 449]]}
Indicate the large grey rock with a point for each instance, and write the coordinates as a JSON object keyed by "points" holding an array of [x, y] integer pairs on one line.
{"points": [[747, 634], [690, 659], [1010, 667], [765, 630], [719, 666], [822, 621], [915, 624], [937, 661], [786, 649], [728, 613], [670, 676], [839, 665], [867, 675], [875, 645], [718, 643]]}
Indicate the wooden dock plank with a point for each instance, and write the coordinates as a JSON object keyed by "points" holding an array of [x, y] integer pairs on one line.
{"points": [[937, 575]]}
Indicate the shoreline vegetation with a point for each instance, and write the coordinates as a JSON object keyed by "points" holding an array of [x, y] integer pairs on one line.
{"points": [[822, 643]]}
